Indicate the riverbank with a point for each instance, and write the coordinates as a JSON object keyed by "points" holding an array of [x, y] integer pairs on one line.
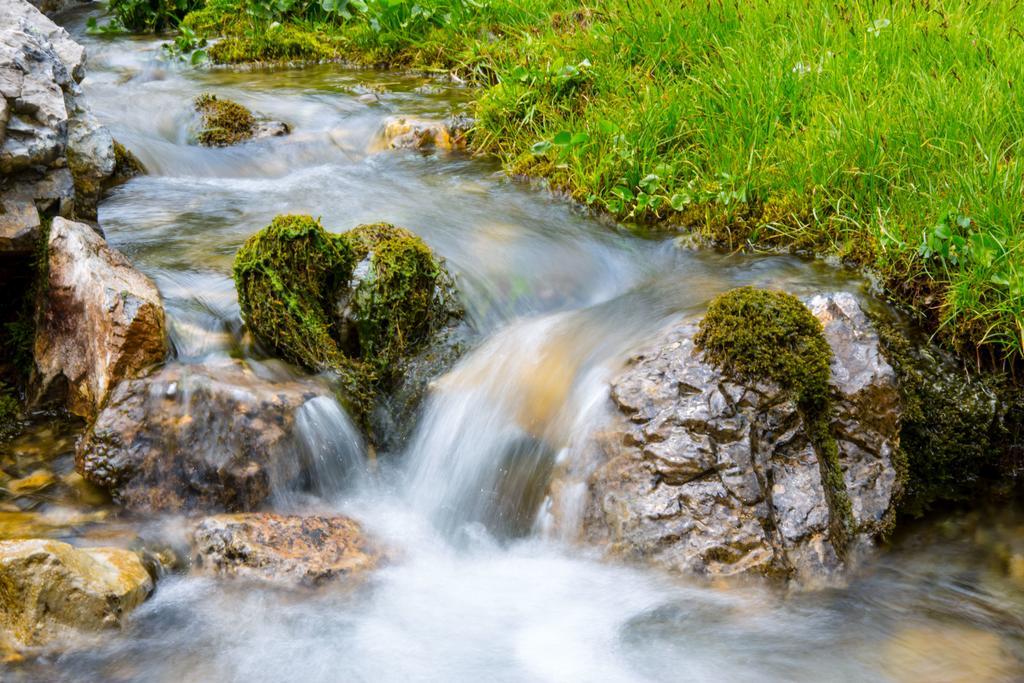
{"points": [[886, 139]]}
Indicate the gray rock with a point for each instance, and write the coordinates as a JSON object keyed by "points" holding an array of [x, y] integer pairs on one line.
{"points": [[705, 475], [21, 14], [91, 158]]}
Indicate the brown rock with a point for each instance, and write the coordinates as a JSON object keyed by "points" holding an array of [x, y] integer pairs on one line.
{"points": [[102, 320], [51, 589], [196, 438], [290, 550]]}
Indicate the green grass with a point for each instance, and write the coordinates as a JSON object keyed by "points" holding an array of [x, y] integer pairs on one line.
{"points": [[888, 134]]}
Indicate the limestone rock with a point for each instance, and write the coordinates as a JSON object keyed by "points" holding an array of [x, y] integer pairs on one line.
{"points": [[21, 16], [102, 320], [52, 589], [709, 476], [197, 438], [288, 550], [92, 160]]}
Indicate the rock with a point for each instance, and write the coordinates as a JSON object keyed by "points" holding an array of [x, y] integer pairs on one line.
{"points": [[947, 654], [92, 160], [223, 122], [288, 550], [47, 132], [706, 475], [102, 320], [52, 7], [18, 15], [52, 589], [356, 304], [197, 438], [36, 481], [407, 132]]}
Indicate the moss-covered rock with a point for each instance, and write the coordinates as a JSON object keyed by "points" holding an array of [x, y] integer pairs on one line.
{"points": [[355, 303], [223, 122], [962, 432], [759, 335]]}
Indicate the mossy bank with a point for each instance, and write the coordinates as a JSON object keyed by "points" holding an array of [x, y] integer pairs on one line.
{"points": [[884, 135]]}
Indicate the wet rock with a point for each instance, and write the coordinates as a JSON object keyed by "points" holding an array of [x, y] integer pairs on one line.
{"points": [[947, 654], [224, 122], [18, 15], [356, 304], [102, 320], [286, 550], [407, 132], [91, 159], [706, 475], [52, 589], [197, 438]]}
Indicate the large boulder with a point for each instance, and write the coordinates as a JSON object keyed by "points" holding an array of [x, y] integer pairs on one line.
{"points": [[52, 589], [102, 320], [707, 474], [198, 438], [357, 304], [288, 550]]}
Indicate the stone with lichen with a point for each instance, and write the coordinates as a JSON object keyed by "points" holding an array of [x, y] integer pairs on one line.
{"points": [[714, 471]]}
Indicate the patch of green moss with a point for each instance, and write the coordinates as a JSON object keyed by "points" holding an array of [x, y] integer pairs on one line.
{"points": [[355, 303], [759, 335], [395, 305], [284, 43], [288, 276], [10, 409], [961, 431], [224, 122], [126, 164]]}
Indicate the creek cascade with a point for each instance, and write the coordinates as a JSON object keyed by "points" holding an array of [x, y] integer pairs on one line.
{"points": [[478, 583]]}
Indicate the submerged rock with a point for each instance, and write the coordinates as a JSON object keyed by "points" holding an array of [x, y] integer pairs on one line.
{"points": [[52, 589], [197, 438], [709, 474], [224, 123], [283, 549], [101, 320], [356, 304], [407, 132]]}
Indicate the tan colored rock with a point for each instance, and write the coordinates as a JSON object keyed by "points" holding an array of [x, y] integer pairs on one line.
{"points": [[948, 654], [102, 320], [408, 132], [288, 550], [702, 474], [51, 589]]}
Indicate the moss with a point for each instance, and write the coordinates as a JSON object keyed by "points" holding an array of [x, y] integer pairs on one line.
{"points": [[126, 164], [758, 335], [395, 307], [961, 432], [10, 409], [295, 289], [223, 122], [280, 44], [287, 276]]}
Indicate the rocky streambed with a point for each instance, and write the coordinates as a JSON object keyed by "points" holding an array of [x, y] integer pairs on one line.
{"points": [[313, 394]]}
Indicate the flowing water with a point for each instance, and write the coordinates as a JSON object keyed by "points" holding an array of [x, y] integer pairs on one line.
{"points": [[483, 584]]}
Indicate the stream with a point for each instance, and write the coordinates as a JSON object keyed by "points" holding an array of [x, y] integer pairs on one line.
{"points": [[482, 584]]}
